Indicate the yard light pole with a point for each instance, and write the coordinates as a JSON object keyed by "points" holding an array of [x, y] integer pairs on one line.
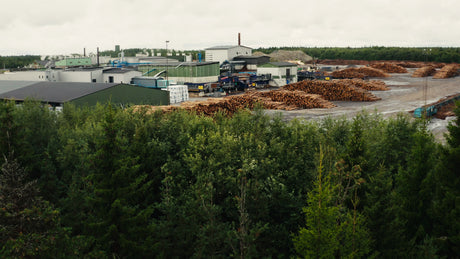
{"points": [[167, 61]]}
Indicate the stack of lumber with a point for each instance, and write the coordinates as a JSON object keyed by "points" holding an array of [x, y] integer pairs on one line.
{"points": [[335, 90], [447, 71], [361, 72], [389, 67], [424, 71]]}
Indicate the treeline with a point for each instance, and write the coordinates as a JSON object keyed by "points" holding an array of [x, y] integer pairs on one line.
{"points": [[437, 54], [104, 182], [15, 62]]}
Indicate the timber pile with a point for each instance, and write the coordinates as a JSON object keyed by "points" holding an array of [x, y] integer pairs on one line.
{"points": [[373, 85], [333, 90], [274, 100], [407, 64], [360, 72], [447, 71], [389, 67], [297, 99], [424, 71], [348, 73]]}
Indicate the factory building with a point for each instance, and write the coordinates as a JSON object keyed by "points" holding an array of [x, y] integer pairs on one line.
{"points": [[184, 72], [282, 73], [81, 94], [252, 62], [119, 75], [81, 75], [226, 53]]}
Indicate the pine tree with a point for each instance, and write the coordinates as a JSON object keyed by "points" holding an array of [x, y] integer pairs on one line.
{"points": [[447, 197], [29, 225], [120, 224]]}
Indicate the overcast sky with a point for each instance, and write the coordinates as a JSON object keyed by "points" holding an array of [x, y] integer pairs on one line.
{"points": [[67, 26]]}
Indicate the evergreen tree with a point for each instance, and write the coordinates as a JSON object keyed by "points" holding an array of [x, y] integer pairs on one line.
{"points": [[119, 223], [447, 197], [29, 225]]}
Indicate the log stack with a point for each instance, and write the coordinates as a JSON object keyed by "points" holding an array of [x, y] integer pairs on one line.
{"points": [[297, 99], [372, 85], [333, 90], [348, 73], [360, 72], [389, 67], [447, 71], [424, 71]]}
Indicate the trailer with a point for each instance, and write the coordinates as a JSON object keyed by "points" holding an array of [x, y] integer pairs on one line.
{"points": [[430, 110]]}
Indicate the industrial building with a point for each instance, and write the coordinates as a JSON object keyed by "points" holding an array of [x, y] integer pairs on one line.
{"points": [[184, 72], [252, 62], [81, 94], [223, 53], [282, 73], [81, 75]]}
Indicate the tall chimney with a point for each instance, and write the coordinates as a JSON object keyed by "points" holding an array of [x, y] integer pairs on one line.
{"points": [[239, 39], [84, 52]]}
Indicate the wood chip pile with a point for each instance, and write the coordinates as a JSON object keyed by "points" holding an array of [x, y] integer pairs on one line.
{"points": [[389, 67], [424, 71], [360, 72], [447, 71], [336, 90]]}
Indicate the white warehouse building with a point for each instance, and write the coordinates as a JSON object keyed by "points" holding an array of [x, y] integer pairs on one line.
{"points": [[223, 53], [80, 75]]}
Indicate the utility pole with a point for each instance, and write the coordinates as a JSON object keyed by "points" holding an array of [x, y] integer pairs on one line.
{"points": [[167, 61], [425, 89]]}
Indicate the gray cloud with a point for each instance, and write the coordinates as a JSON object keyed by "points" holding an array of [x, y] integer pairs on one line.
{"points": [[63, 27]]}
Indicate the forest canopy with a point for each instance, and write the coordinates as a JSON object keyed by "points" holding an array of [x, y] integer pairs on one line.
{"points": [[109, 182]]}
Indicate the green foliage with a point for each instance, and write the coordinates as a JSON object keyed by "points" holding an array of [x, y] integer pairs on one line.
{"points": [[29, 225], [16, 62], [119, 183], [331, 229], [447, 195]]}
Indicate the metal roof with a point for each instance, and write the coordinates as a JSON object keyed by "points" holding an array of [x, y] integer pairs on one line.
{"points": [[55, 92], [10, 85], [117, 71], [182, 64], [226, 47], [281, 64]]}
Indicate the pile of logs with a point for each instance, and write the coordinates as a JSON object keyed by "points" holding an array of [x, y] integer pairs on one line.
{"points": [[447, 71], [389, 67], [302, 95], [424, 71], [361, 73], [371, 85], [295, 99], [336, 90]]}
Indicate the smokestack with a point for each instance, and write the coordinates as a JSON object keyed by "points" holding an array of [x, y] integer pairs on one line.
{"points": [[239, 39], [97, 56], [84, 52]]}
